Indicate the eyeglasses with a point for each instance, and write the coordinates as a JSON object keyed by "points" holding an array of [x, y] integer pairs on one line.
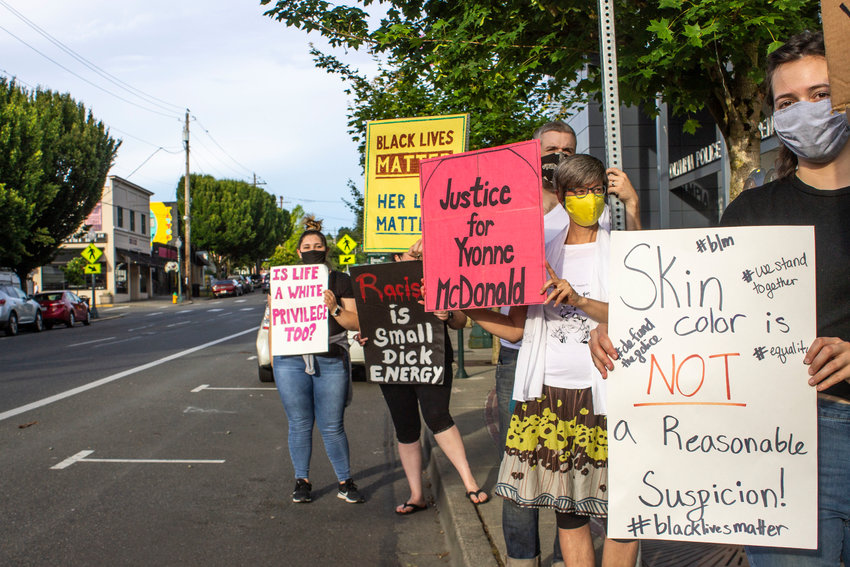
{"points": [[583, 191]]}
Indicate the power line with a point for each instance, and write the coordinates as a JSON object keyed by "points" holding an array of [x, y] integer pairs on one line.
{"points": [[207, 132], [150, 99], [86, 80]]}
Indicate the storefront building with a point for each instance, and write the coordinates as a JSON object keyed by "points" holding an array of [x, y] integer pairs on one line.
{"points": [[119, 226]]}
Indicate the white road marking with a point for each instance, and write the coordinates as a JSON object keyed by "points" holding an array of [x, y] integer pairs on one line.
{"points": [[208, 387], [81, 458], [184, 311], [137, 337], [247, 309], [214, 310], [123, 374], [90, 342], [139, 328], [192, 409], [240, 301], [252, 357], [180, 323], [154, 313]]}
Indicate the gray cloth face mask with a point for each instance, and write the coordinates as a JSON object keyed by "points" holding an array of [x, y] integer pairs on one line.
{"points": [[811, 130]]}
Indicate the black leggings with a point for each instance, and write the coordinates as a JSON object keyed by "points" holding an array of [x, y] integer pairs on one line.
{"points": [[569, 521], [405, 400]]}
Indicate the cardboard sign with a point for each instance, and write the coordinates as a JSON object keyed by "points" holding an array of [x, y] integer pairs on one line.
{"points": [[483, 228], [836, 36], [394, 149], [712, 426], [299, 318], [406, 344]]}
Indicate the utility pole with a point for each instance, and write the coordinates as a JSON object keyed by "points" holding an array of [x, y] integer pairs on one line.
{"points": [[187, 207]]}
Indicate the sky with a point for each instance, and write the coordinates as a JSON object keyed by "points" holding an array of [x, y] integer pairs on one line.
{"points": [[256, 102]]}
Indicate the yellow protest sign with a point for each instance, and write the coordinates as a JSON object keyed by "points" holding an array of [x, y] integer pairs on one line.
{"points": [[394, 147], [346, 259], [91, 269]]}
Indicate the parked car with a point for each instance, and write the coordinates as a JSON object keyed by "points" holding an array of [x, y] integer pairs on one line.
{"points": [[17, 308], [264, 282], [264, 361], [63, 307], [244, 282], [222, 288]]}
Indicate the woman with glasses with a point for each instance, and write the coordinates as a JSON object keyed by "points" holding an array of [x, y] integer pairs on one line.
{"points": [[556, 453]]}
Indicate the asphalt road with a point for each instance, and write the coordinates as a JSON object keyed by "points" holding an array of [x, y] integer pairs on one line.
{"points": [[146, 438]]}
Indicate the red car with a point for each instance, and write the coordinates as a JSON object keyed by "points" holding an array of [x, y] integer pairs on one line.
{"points": [[226, 287], [63, 307]]}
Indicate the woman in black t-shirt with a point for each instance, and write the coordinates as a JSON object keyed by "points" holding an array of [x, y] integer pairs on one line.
{"points": [[314, 388]]}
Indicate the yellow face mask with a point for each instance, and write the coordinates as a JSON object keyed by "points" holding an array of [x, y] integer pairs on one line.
{"points": [[586, 210]]}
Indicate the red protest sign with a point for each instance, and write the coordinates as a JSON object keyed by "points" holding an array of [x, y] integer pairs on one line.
{"points": [[482, 228]]}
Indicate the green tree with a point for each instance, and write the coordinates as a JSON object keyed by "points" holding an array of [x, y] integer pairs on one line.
{"points": [[235, 220], [692, 55], [54, 157], [74, 272]]}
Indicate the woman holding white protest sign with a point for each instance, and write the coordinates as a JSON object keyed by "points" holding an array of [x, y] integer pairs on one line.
{"points": [[556, 448], [315, 388], [813, 188]]}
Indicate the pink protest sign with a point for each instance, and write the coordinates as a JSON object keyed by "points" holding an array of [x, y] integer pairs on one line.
{"points": [[298, 316], [482, 228]]}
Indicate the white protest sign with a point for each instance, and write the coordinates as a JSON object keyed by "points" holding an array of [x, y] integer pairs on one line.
{"points": [[299, 318], [712, 426]]}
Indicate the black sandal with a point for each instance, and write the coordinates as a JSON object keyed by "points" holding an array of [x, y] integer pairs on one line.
{"points": [[413, 508], [477, 493]]}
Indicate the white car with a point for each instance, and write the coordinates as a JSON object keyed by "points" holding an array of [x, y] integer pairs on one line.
{"points": [[16, 307], [264, 361]]}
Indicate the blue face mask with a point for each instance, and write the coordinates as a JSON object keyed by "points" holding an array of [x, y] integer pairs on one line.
{"points": [[811, 130]]}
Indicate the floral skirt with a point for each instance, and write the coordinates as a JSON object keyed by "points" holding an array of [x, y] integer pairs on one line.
{"points": [[556, 454]]}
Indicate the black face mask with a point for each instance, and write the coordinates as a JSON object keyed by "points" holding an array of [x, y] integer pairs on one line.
{"points": [[314, 256], [548, 165]]}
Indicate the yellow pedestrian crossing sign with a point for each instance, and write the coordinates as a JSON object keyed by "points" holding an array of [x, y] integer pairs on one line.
{"points": [[346, 259], [92, 254], [91, 269], [347, 245]]}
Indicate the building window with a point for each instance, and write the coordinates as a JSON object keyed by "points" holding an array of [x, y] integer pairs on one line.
{"points": [[119, 216], [132, 221], [142, 223]]}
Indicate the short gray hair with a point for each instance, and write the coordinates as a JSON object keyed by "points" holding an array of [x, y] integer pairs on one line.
{"points": [[554, 126], [579, 170]]}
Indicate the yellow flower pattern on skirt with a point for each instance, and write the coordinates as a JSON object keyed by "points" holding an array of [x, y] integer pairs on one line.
{"points": [[556, 454]]}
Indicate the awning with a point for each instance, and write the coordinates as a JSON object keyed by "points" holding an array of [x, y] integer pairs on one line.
{"points": [[138, 257]]}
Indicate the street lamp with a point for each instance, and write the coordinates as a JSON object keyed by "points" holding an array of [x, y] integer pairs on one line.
{"points": [[179, 244]]}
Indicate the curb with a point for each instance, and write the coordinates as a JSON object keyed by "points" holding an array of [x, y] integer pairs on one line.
{"points": [[469, 541]]}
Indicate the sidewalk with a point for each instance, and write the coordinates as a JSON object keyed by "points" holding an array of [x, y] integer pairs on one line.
{"points": [[475, 532]]}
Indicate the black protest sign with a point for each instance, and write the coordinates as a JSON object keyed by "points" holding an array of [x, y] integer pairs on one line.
{"points": [[406, 345]]}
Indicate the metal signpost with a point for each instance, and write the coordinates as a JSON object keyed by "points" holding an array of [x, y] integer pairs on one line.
{"points": [[611, 99], [92, 254]]}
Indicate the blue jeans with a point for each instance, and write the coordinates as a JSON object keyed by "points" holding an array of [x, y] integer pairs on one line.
{"points": [[833, 498], [321, 399], [519, 525]]}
